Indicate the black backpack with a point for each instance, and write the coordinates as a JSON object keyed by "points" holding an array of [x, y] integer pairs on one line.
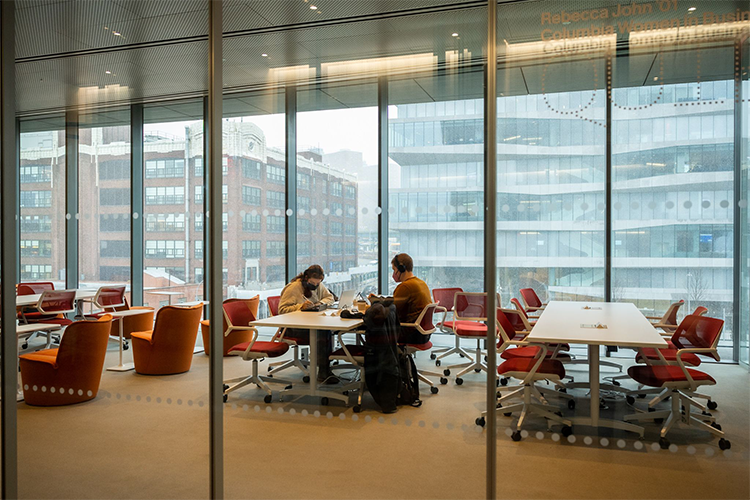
{"points": [[408, 389]]}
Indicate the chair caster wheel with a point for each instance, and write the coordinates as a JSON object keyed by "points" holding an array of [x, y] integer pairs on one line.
{"points": [[558, 413], [432, 356], [434, 390], [497, 382], [641, 396], [225, 398], [716, 426], [267, 398], [437, 362], [336, 362], [461, 354], [571, 404], [507, 414], [616, 383], [24, 346], [324, 401], [270, 368], [477, 370], [630, 400], [125, 347], [446, 372], [504, 381], [664, 443], [480, 421], [712, 405], [516, 436], [724, 444], [443, 380], [562, 389], [288, 387], [306, 379], [566, 430], [225, 387], [357, 409], [704, 413], [459, 381]]}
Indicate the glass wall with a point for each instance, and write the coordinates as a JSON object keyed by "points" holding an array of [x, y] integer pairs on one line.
{"points": [[743, 336], [337, 186], [42, 200], [104, 199]]}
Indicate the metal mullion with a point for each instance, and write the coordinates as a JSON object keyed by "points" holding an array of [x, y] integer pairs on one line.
{"points": [[490, 242], [383, 257], [290, 99], [608, 191], [8, 269], [213, 155], [71, 199], [738, 195], [136, 204]]}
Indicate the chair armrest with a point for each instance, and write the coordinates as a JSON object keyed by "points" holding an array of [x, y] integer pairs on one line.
{"points": [[40, 358], [654, 317], [349, 356], [147, 336], [242, 329]]}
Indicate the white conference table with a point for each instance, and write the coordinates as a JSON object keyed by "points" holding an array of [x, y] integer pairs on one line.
{"points": [[312, 321], [576, 323], [121, 314]]}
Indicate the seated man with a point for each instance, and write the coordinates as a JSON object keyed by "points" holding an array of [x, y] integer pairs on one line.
{"points": [[410, 297]]}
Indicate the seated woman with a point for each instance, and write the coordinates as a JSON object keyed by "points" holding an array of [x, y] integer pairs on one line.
{"points": [[304, 292]]}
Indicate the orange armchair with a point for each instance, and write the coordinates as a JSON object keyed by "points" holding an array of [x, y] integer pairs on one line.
{"points": [[71, 373], [235, 336], [168, 348]]}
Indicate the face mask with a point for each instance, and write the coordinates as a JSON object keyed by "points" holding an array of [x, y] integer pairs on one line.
{"points": [[309, 285], [396, 276]]}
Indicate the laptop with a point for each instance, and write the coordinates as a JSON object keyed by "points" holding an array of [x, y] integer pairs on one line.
{"points": [[346, 299]]}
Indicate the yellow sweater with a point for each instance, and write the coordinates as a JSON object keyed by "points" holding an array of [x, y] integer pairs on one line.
{"points": [[410, 297]]}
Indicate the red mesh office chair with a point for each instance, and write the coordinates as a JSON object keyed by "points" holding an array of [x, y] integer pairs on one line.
{"points": [[424, 324], [668, 322], [445, 297], [294, 343], [700, 311], [52, 307], [531, 299], [237, 316], [469, 313], [700, 335]]}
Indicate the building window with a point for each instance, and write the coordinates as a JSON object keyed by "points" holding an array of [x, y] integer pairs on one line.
{"points": [[303, 181], [350, 248], [251, 223], [36, 224], [303, 226], [165, 222], [251, 249], [275, 273], [36, 272], [335, 189], [303, 203], [350, 230], [36, 199], [167, 168], [225, 194], [275, 224], [198, 222], [225, 251], [350, 192], [114, 248], [275, 175], [198, 167], [36, 248], [250, 168], [164, 195], [114, 196], [198, 193], [177, 272], [251, 195], [275, 199], [303, 248], [165, 249], [337, 248], [199, 275], [224, 166], [337, 228], [35, 173], [198, 252], [114, 273], [224, 221], [275, 248], [337, 209], [350, 211]]}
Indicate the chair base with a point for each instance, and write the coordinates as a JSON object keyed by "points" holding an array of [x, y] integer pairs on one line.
{"points": [[475, 364], [295, 362], [256, 379], [457, 349], [533, 404]]}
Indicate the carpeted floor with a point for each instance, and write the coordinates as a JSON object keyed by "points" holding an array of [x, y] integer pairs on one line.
{"points": [[147, 437]]}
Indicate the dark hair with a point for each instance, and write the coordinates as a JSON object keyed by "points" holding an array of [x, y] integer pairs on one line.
{"points": [[314, 271], [403, 260]]}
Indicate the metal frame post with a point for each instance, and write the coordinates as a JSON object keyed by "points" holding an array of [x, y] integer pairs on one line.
{"points": [[136, 204], [383, 257], [290, 99], [490, 240], [738, 195], [71, 199], [8, 276], [213, 155], [608, 191]]}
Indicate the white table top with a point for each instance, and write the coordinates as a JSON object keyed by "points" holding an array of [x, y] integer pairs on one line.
{"points": [[164, 292], [309, 321], [129, 312], [31, 300], [192, 303], [35, 327], [626, 326]]}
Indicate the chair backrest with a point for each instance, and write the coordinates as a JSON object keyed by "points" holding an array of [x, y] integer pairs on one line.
{"points": [[34, 287], [57, 301], [517, 304], [670, 317], [175, 323], [530, 297], [505, 325], [424, 322], [110, 296], [445, 297], [700, 311], [273, 304], [237, 312], [84, 346], [700, 332], [516, 319], [470, 306]]}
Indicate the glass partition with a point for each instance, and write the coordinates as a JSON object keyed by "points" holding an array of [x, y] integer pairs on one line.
{"points": [[743, 336]]}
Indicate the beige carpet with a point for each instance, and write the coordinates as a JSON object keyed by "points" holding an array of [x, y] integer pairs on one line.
{"points": [[147, 437]]}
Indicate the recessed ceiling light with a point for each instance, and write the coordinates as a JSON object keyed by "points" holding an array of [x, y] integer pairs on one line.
{"points": [[656, 78], [312, 7], [116, 33], [108, 72], [691, 9], [454, 34], [264, 55], [106, 28]]}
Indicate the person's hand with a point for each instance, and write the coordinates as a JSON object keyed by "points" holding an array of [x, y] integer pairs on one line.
{"points": [[307, 305]]}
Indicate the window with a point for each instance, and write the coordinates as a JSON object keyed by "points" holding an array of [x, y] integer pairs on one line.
{"points": [[251, 249], [275, 174], [350, 211], [198, 251], [225, 194], [114, 273], [36, 199], [303, 180], [36, 272], [350, 192], [351, 230], [166, 195], [275, 274], [165, 168], [36, 224], [336, 189], [275, 248], [198, 193], [337, 209], [224, 221], [199, 275], [250, 168], [251, 223], [337, 248], [303, 203], [198, 167], [251, 195], [165, 222], [114, 248], [198, 222], [114, 196], [303, 248], [336, 228], [350, 248], [275, 199], [275, 224], [225, 249], [35, 173], [303, 226], [224, 166], [165, 249], [36, 248]]}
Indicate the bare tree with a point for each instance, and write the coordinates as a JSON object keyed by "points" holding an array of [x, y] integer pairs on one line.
{"points": [[696, 286]]}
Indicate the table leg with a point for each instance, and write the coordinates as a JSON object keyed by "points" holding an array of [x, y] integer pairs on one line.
{"points": [[313, 362], [121, 367], [594, 383]]}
